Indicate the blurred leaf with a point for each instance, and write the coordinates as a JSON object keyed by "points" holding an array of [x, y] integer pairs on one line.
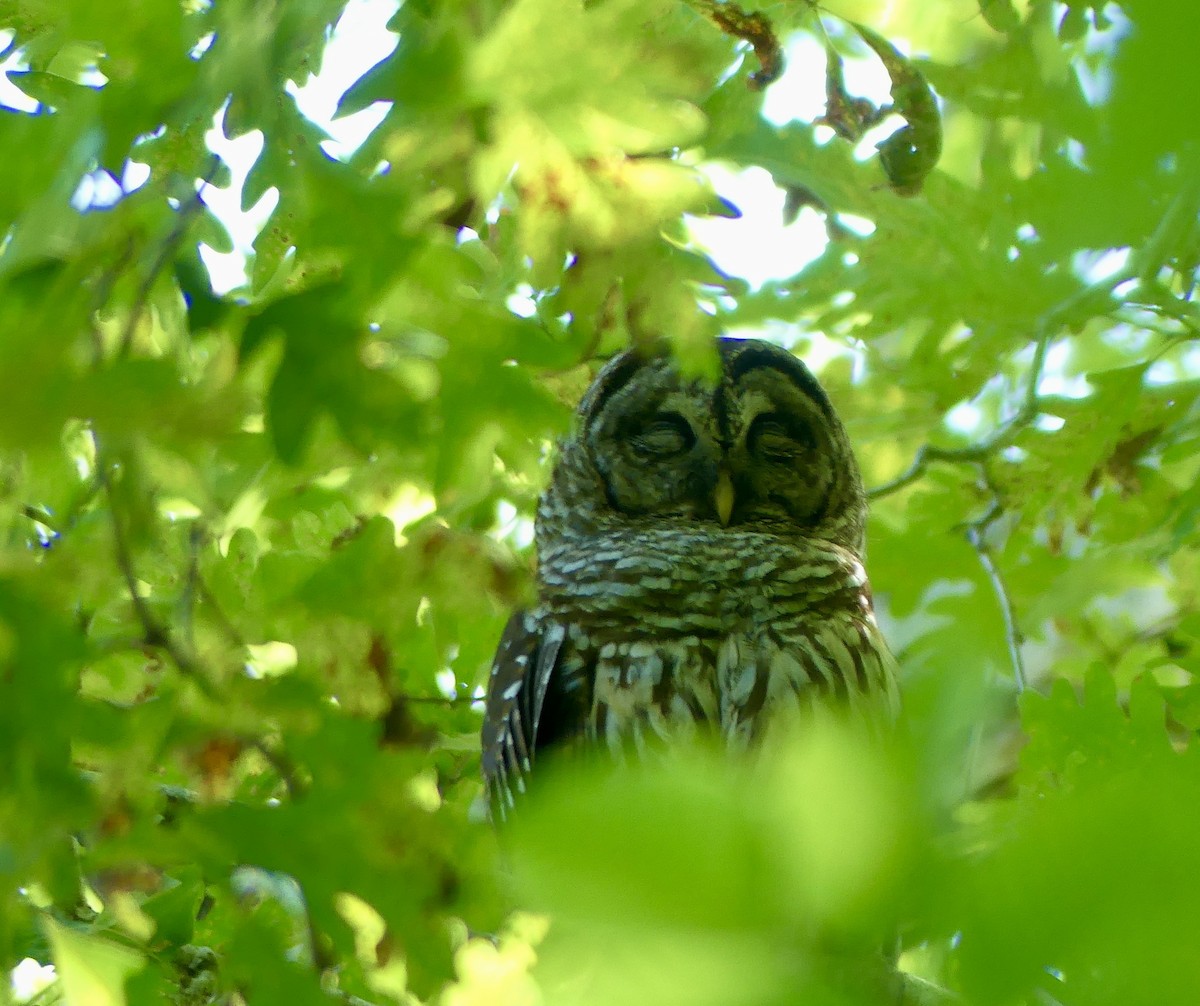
{"points": [[322, 372], [92, 970], [174, 910], [702, 865], [1081, 861], [256, 547]]}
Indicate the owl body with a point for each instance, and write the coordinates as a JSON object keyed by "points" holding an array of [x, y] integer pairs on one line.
{"points": [[699, 568]]}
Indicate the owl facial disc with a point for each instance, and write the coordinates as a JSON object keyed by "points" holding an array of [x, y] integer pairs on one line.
{"points": [[759, 448]]}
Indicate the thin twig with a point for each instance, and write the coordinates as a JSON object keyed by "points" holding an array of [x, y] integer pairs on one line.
{"points": [[165, 251], [323, 958], [1185, 330], [187, 598], [1176, 223], [118, 644], [920, 463], [82, 500], [39, 515], [976, 535], [103, 289], [283, 765], [440, 700], [157, 636], [979, 452], [231, 631], [154, 634], [1101, 290]]}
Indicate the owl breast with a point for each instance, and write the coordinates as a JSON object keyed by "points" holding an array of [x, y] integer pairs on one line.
{"points": [[722, 632]]}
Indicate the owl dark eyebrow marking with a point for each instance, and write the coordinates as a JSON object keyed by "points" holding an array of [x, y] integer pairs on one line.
{"points": [[613, 383], [783, 361]]}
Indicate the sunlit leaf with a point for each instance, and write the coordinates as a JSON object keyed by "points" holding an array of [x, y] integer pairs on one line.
{"points": [[93, 970]]}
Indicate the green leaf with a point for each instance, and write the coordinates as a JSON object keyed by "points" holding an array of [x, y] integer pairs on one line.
{"points": [[92, 970], [173, 910]]}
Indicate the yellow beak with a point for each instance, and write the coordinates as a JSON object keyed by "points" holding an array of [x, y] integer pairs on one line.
{"points": [[723, 497]]}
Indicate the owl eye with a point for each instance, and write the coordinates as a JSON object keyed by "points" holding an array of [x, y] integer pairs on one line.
{"points": [[666, 434], [779, 438]]}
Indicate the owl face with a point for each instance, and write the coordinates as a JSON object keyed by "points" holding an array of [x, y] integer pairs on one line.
{"points": [[761, 448]]}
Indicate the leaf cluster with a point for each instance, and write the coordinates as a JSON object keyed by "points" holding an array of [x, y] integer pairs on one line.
{"points": [[258, 539]]}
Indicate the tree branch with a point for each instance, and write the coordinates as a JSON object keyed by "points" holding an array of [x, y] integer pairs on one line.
{"points": [[979, 452], [1139, 268], [976, 535]]}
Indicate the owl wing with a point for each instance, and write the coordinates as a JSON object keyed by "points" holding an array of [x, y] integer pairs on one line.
{"points": [[525, 662]]}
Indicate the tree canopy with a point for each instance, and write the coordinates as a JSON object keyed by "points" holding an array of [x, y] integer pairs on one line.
{"points": [[259, 540]]}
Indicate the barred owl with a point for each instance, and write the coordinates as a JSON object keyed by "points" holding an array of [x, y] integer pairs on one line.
{"points": [[699, 568]]}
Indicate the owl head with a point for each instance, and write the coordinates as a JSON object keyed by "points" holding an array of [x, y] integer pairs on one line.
{"points": [[759, 449]]}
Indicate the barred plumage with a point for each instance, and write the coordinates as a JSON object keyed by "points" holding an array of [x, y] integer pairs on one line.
{"points": [[699, 568]]}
